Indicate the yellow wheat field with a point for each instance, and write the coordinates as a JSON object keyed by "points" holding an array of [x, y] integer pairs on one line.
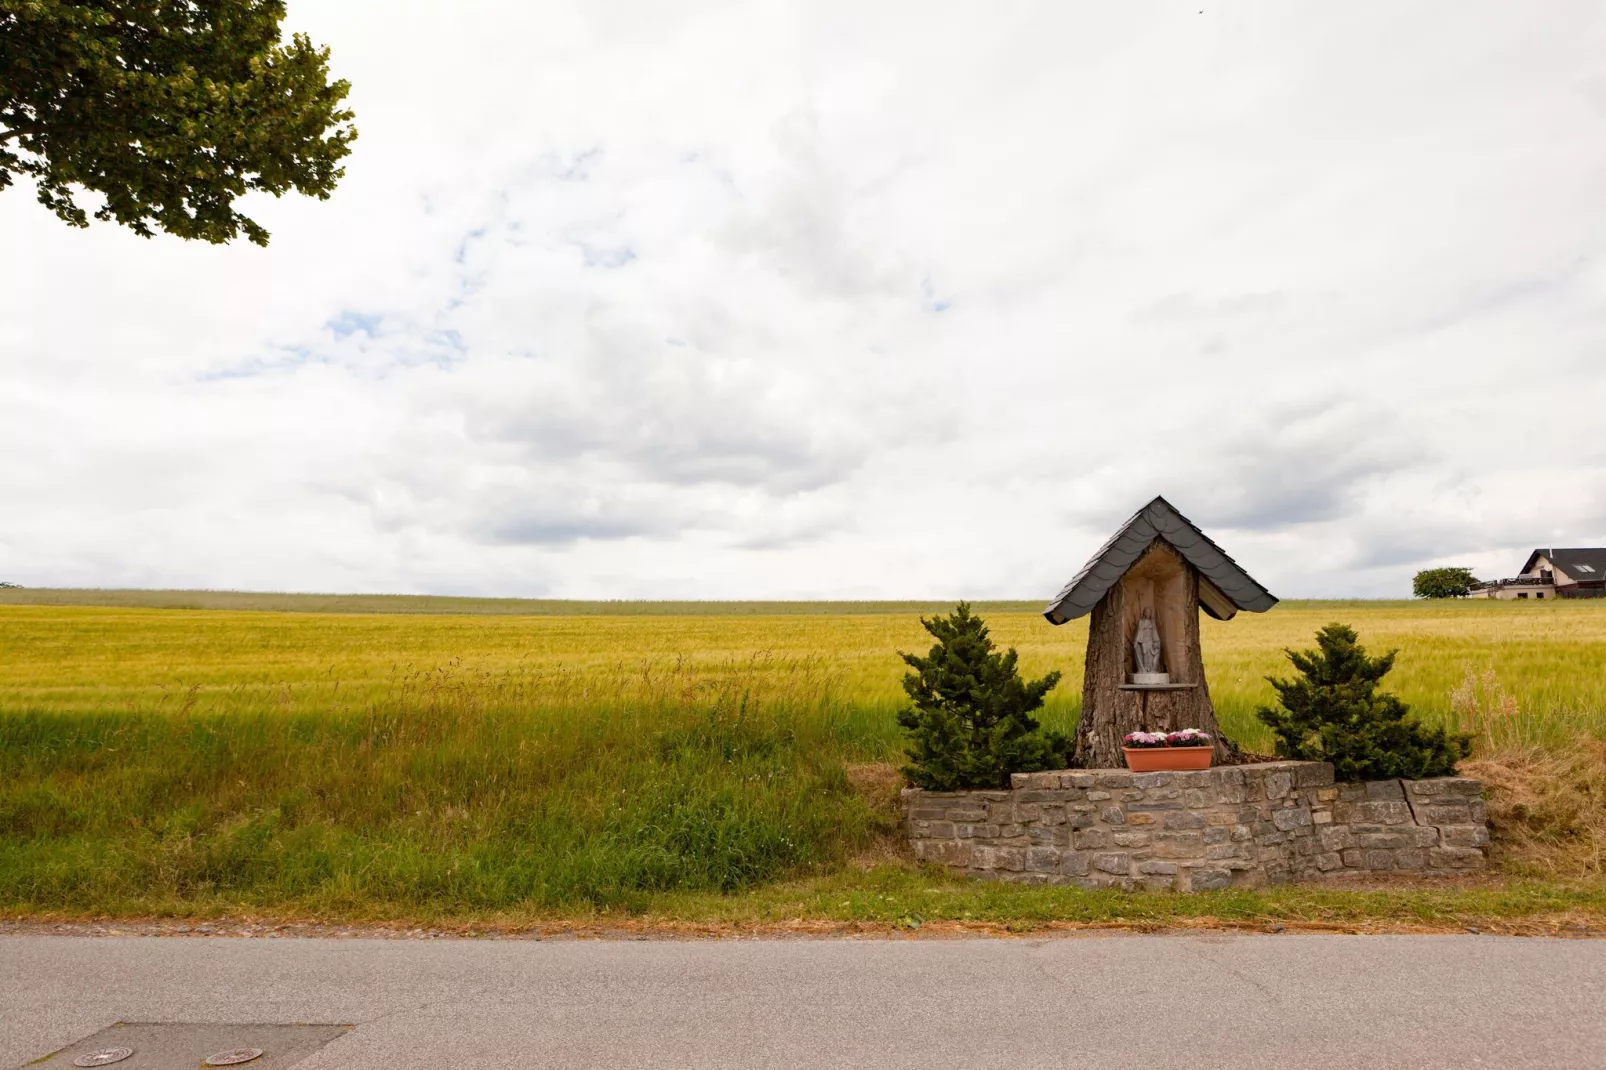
{"points": [[1551, 658]]}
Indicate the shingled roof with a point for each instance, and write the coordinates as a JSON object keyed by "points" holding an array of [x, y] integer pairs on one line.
{"points": [[1586, 564], [1224, 588]]}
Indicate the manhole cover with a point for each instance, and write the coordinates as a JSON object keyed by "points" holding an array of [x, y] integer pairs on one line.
{"points": [[233, 1057], [103, 1057]]}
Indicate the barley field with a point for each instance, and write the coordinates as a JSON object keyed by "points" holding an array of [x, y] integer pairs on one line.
{"points": [[439, 757]]}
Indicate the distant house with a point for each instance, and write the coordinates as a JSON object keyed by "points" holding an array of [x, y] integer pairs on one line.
{"points": [[1553, 573]]}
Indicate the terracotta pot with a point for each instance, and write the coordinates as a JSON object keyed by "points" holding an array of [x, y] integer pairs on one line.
{"points": [[1158, 759]]}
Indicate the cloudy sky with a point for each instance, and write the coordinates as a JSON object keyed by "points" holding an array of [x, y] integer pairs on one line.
{"points": [[848, 300]]}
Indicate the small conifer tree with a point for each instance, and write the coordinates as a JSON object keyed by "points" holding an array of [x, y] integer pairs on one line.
{"points": [[971, 723], [1334, 712]]}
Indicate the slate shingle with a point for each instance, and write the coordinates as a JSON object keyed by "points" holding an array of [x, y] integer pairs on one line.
{"points": [[1158, 520]]}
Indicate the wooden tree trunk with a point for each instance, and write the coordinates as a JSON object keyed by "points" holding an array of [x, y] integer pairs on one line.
{"points": [[1168, 587]]}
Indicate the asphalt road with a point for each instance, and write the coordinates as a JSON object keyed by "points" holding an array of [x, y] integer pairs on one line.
{"points": [[1130, 1001]]}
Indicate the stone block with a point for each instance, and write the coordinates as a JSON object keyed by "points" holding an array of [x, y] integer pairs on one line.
{"points": [[939, 830], [1090, 839], [1010, 858], [1329, 861], [1378, 860], [1217, 835], [1052, 814], [1479, 811], [1074, 863], [1242, 833], [1151, 780], [1375, 812], [1156, 867], [1099, 796], [1010, 832], [1219, 851], [1313, 775], [1048, 835], [1455, 858], [1464, 836], [1206, 880], [944, 852], [1079, 819], [1426, 788], [1182, 819], [967, 813], [1352, 792], [1336, 837], [1291, 818], [1112, 862], [1159, 884], [1140, 819], [1042, 859], [1388, 841], [1115, 780], [1327, 795], [1130, 839], [967, 831], [1082, 781], [1278, 785], [1457, 813], [1321, 817], [1112, 815], [1411, 859], [1384, 790], [1352, 857], [1178, 845]]}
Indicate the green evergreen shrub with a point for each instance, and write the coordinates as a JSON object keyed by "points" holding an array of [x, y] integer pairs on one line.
{"points": [[1334, 712], [971, 723]]}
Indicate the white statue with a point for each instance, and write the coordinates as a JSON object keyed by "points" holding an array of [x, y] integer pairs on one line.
{"points": [[1146, 653]]}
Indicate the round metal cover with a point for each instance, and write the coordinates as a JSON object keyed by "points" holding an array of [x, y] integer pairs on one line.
{"points": [[233, 1057], [103, 1057]]}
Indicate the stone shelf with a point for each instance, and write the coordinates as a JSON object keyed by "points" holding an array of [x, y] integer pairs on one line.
{"points": [[1157, 687]]}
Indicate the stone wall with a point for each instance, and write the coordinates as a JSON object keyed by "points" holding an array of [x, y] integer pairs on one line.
{"points": [[1230, 826]]}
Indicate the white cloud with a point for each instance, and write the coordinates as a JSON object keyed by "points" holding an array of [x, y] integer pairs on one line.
{"points": [[779, 299]]}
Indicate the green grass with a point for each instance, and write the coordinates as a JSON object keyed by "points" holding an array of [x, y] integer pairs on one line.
{"points": [[690, 764]]}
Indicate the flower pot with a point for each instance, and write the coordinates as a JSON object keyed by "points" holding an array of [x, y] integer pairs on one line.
{"points": [[1161, 759]]}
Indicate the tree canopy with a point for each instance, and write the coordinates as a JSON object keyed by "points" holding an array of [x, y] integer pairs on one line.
{"points": [[170, 109], [1443, 583]]}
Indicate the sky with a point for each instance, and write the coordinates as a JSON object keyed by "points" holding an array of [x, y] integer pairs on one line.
{"points": [[847, 300]]}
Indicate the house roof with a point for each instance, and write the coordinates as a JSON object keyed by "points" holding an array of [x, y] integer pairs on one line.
{"points": [[1581, 564], [1224, 587]]}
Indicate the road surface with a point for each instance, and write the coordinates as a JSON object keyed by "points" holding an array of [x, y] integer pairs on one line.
{"points": [[1190, 1001]]}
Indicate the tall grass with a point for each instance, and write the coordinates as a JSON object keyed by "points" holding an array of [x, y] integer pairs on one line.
{"points": [[453, 790], [157, 760]]}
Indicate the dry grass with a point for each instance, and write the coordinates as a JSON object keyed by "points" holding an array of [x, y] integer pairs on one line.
{"points": [[1547, 804]]}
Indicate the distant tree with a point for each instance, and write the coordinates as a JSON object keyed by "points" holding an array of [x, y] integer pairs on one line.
{"points": [[170, 110], [1443, 583], [971, 720], [1334, 712], [10, 586]]}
